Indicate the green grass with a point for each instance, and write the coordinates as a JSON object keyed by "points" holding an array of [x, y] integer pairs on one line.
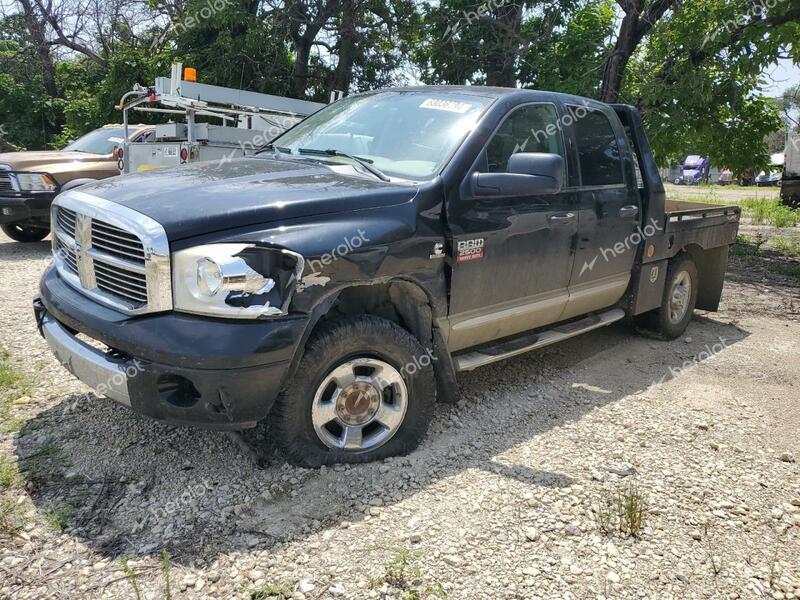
{"points": [[789, 270], [57, 518], [625, 512], [13, 384], [9, 377], [283, 590], [11, 517], [47, 460], [764, 211], [9, 473], [786, 246]]}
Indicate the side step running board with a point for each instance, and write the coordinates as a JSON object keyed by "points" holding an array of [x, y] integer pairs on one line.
{"points": [[489, 354]]}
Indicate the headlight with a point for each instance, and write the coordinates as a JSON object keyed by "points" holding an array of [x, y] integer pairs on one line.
{"points": [[35, 182], [240, 281]]}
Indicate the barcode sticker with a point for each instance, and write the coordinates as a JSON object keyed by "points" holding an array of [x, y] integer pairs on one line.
{"points": [[448, 105]]}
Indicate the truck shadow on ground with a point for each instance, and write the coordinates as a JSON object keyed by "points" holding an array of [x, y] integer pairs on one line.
{"points": [[128, 485]]}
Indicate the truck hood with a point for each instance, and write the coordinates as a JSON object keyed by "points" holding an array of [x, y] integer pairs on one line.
{"points": [[45, 160], [205, 197]]}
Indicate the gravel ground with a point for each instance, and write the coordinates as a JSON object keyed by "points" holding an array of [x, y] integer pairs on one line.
{"points": [[508, 497]]}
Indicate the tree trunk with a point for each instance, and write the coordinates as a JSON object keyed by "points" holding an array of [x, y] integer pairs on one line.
{"points": [[343, 74], [617, 62], [36, 31], [302, 55], [635, 25]]}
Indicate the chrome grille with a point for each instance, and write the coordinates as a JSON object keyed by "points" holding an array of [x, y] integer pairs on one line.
{"points": [[65, 219], [111, 253], [5, 183], [117, 242], [68, 255]]}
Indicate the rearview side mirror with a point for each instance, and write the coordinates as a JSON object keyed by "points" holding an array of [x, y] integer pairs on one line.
{"points": [[529, 174]]}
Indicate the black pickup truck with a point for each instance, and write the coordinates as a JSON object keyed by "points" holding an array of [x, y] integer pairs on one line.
{"points": [[337, 282]]}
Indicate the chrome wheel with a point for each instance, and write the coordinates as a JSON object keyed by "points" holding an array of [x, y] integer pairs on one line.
{"points": [[359, 405], [679, 297]]}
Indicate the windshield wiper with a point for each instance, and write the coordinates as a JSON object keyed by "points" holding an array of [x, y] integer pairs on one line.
{"points": [[270, 146], [364, 162]]}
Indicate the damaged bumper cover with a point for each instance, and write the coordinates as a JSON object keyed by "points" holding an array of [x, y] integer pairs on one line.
{"points": [[174, 367]]}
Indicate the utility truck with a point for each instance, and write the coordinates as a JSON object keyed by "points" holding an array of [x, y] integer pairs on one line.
{"points": [[247, 120], [337, 282]]}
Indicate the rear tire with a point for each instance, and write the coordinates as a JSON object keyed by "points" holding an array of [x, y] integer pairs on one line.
{"points": [[364, 390], [25, 233], [677, 304]]}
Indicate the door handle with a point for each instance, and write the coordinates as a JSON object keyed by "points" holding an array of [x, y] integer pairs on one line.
{"points": [[628, 212], [562, 218]]}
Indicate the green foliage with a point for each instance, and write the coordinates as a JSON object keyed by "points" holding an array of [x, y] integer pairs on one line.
{"points": [[766, 211], [696, 76], [698, 81], [573, 64]]}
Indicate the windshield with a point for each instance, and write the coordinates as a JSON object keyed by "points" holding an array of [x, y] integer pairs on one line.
{"points": [[403, 134], [693, 162], [99, 141]]}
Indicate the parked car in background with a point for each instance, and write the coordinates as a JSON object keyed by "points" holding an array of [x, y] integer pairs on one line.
{"points": [[30, 180], [694, 171], [774, 174], [790, 183]]}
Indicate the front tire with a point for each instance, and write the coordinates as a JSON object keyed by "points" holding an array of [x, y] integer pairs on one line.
{"points": [[677, 304], [364, 390], [25, 233]]}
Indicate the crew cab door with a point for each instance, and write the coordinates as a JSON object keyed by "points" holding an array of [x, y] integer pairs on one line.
{"points": [[609, 212], [511, 257]]}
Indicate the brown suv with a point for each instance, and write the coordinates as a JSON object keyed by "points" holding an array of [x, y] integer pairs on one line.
{"points": [[30, 180]]}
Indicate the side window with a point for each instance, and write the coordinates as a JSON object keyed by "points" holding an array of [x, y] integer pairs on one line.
{"points": [[598, 151], [533, 128]]}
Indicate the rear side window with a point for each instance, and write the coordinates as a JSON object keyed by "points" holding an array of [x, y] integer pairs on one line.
{"points": [[532, 128], [598, 150]]}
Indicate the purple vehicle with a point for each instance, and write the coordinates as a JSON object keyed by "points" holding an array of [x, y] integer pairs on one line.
{"points": [[695, 170]]}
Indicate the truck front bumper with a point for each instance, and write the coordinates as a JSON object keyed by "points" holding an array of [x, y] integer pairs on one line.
{"points": [[21, 208], [173, 367]]}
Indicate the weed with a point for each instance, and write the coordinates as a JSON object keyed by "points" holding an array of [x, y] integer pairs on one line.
{"points": [[283, 591], [744, 246], [48, 459], [131, 578], [788, 269], [625, 511], [58, 517], [770, 211], [714, 560], [165, 567], [402, 574], [11, 518], [9, 473], [786, 245], [9, 376]]}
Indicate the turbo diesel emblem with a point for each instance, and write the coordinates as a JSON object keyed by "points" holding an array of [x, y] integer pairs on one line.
{"points": [[469, 250]]}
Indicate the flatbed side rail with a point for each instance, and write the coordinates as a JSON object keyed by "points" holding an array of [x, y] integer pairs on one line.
{"points": [[704, 212]]}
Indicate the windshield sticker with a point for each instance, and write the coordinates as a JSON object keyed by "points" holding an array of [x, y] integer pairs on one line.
{"points": [[448, 105], [116, 140]]}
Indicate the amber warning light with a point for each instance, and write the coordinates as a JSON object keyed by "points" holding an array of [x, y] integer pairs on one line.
{"points": [[190, 74]]}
